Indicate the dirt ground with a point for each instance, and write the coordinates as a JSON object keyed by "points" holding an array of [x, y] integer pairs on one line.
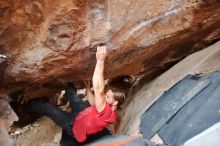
{"points": [[43, 132]]}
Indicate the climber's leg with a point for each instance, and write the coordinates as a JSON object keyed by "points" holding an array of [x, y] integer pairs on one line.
{"points": [[61, 118], [76, 102]]}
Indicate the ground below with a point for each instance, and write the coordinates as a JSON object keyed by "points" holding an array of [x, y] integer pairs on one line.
{"points": [[43, 132]]}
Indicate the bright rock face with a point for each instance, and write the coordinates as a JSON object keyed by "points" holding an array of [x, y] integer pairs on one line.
{"points": [[51, 41]]}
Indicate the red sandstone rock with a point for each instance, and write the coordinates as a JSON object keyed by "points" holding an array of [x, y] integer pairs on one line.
{"points": [[53, 41]]}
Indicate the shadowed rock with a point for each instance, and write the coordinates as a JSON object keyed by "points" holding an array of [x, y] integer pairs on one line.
{"points": [[7, 117], [3, 64]]}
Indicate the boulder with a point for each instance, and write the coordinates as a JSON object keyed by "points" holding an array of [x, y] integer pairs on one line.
{"points": [[49, 42], [144, 94], [7, 118]]}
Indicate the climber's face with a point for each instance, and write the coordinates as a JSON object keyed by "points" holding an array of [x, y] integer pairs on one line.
{"points": [[110, 98]]}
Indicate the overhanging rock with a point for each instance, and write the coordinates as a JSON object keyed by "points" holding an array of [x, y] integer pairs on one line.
{"points": [[52, 41]]}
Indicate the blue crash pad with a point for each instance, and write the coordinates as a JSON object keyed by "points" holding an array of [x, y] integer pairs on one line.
{"points": [[200, 113]]}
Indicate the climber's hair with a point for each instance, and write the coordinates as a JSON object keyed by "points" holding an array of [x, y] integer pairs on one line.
{"points": [[119, 96]]}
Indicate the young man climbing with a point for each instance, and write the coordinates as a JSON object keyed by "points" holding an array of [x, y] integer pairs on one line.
{"points": [[85, 122]]}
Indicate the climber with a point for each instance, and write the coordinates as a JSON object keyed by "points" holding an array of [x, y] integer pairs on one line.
{"points": [[85, 122]]}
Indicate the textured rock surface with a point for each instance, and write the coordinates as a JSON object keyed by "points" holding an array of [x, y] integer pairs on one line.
{"points": [[49, 41], [143, 95], [7, 118]]}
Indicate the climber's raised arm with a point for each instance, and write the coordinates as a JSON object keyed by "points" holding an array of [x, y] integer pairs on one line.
{"points": [[98, 78]]}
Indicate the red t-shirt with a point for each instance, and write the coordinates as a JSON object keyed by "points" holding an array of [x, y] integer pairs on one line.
{"points": [[90, 121]]}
